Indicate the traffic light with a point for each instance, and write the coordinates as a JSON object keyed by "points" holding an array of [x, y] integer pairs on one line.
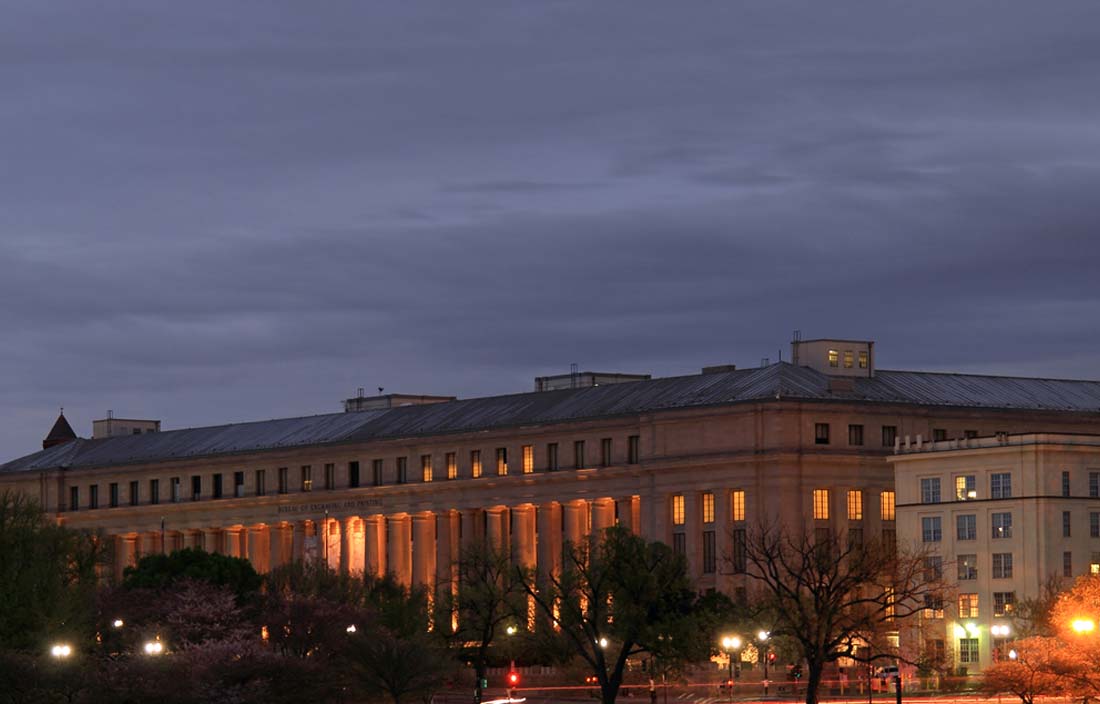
{"points": [[771, 657], [513, 678]]}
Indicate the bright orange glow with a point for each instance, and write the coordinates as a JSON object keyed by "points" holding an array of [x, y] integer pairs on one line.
{"points": [[1083, 625]]}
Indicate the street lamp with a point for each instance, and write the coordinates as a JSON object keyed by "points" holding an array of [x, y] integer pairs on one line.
{"points": [[118, 623], [1012, 654], [762, 636], [731, 644], [351, 628], [1083, 625], [511, 630], [61, 651], [154, 647]]}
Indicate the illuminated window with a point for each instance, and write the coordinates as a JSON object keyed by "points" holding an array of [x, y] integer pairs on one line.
{"points": [[678, 510], [887, 505], [1002, 525], [307, 477], [528, 459], [708, 507], [965, 488], [834, 358], [855, 505], [849, 359], [821, 504], [475, 463], [738, 501], [1003, 603], [502, 461], [862, 360], [968, 650], [967, 567], [426, 468], [452, 466], [933, 606], [1094, 563], [968, 606]]}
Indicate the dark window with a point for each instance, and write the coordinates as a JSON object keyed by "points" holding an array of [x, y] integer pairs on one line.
{"points": [[930, 529], [708, 552], [855, 538], [1065, 483], [261, 482], [679, 543], [739, 551], [284, 480], [966, 527], [135, 493], [217, 486], [376, 472], [970, 434], [1094, 484], [74, 498], [154, 491], [1002, 525], [1067, 564], [889, 435], [933, 568], [402, 470], [821, 433], [330, 476], [552, 456], [939, 434], [353, 474], [578, 454], [605, 452], [1094, 525], [307, 477], [112, 497], [855, 434], [238, 484], [968, 567], [632, 449], [1065, 524], [196, 488], [889, 539], [1002, 565], [1000, 485], [93, 496]]}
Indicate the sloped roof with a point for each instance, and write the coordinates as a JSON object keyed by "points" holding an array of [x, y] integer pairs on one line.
{"points": [[781, 380], [60, 432]]}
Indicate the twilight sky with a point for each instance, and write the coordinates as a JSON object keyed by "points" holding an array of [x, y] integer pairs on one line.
{"points": [[212, 212]]}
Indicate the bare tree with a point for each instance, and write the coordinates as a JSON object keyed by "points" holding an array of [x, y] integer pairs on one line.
{"points": [[835, 598]]}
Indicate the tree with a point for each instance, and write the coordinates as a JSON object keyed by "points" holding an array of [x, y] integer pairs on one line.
{"points": [[1032, 617], [835, 598], [1032, 673], [159, 571], [401, 666], [618, 596]]}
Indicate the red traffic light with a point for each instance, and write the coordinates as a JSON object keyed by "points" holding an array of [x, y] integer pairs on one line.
{"points": [[513, 678], [771, 657]]}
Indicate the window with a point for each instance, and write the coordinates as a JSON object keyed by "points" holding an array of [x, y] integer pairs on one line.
{"points": [[855, 434], [821, 433], [502, 461], [930, 490], [1000, 485], [217, 479], [475, 463], [887, 505], [834, 358], [939, 434], [737, 505], [112, 495], [284, 480], [330, 476], [931, 529], [889, 435], [1065, 524], [966, 527], [578, 454], [1067, 564], [376, 469], [862, 359], [402, 470], [452, 465], [889, 539], [970, 434], [1094, 484], [528, 459], [968, 567], [74, 498], [1094, 563], [708, 552], [1002, 525], [238, 484], [261, 482], [1065, 483], [679, 543], [708, 507], [1003, 603], [1094, 524], [353, 474], [855, 538], [933, 568], [175, 483], [307, 477], [1002, 565], [968, 650], [855, 505], [196, 488], [135, 493], [933, 606], [678, 509], [93, 496], [849, 359], [426, 468], [632, 449], [965, 488], [968, 606], [552, 457], [821, 504], [739, 551], [605, 452]]}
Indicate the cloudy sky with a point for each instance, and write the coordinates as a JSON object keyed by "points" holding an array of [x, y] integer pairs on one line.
{"points": [[213, 212]]}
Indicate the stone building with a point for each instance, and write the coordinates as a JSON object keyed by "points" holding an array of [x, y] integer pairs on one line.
{"points": [[402, 486]]}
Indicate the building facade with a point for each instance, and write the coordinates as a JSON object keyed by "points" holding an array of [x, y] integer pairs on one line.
{"points": [[694, 461], [1001, 516]]}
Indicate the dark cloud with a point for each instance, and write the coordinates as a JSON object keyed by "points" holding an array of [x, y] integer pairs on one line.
{"points": [[213, 213]]}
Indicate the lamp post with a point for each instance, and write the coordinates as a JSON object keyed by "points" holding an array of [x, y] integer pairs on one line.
{"points": [[61, 651], [762, 637], [731, 644]]}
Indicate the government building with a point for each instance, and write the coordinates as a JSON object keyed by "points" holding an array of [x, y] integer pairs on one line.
{"points": [[400, 483]]}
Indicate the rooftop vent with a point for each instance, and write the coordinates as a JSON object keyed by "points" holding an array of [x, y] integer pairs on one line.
{"points": [[110, 426], [582, 380], [719, 368], [382, 401]]}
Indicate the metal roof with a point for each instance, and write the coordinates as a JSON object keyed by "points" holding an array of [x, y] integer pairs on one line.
{"points": [[781, 380]]}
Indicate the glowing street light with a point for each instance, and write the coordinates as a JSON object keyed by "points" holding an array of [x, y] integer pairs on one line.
{"points": [[1012, 654], [1000, 630], [154, 647], [61, 651], [603, 642], [351, 628], [511, 630], [731, 642], [1083, 625], [118, 623]]}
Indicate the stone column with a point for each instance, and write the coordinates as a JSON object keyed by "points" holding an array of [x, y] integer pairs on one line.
{"points": [[258, 547], [351, 545], [574, 521], [298, 541], [723, 540], [399, 548], [212, 540], [624, 513], [603, 516], [653, 511], [423, 549], [376, 545], [446, 551], [524, 546], [232, 540], [126, 546], [548, 527], [494, 528], [471, 527], [276, 554], [148, 544], [692, 533]]}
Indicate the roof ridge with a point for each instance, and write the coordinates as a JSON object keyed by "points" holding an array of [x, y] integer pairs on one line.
{"points": [[989, 376]]}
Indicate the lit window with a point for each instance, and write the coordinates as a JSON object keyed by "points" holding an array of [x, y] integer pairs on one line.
{"points": [[708, 507], [307, 477], [968, 606], [862, 360], [502, 461], [821, 504], [678, 510], [528, 459], [452, 466], [426, 468], [968, 567], [475, 463], [849, 359], [855, 505], [738, 504], [1094, 563], [888, 505], [834, 358], [933, 606], [965, 488], [1003, 603]]}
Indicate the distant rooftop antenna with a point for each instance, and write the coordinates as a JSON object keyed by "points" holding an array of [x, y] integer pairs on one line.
{"points": [[110, 414], [574, 374], [381, 389], [796, 336], [361, 392], [764, 361]]}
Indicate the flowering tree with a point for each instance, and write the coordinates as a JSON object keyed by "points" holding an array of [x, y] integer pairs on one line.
{"points": [[1033, 672]]}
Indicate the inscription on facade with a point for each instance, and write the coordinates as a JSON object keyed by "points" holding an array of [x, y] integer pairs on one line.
{"points": [[332, 506]]}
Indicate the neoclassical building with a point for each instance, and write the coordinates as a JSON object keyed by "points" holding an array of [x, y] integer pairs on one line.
{"points": [[400, 483]]}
